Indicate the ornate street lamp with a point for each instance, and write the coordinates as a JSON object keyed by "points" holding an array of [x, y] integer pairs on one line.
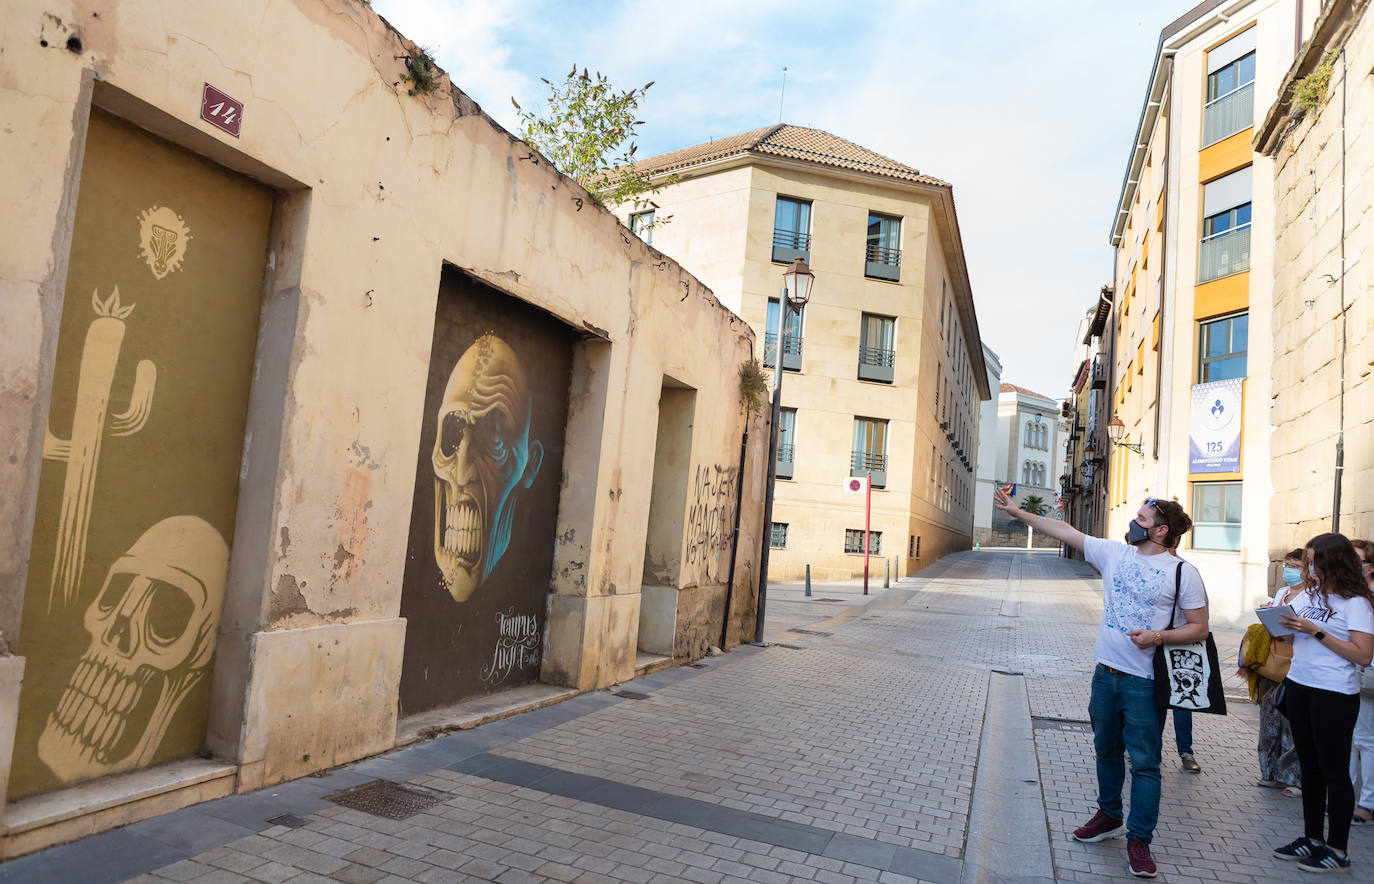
{"points": [[797, 282], [1116, 432]]}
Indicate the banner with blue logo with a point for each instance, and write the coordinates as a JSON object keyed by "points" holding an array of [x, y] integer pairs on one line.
{"points": [[1214, 432]]}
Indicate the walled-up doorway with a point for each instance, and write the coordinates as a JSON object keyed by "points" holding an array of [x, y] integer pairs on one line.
{"points": [[487, 476], [139, 484], [663, 542]]}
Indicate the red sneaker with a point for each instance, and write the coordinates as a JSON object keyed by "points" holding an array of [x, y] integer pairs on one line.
{"points": [[1099, 828], [1141, 864]]}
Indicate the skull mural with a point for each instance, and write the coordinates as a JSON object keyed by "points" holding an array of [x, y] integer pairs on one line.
{"points": [[152, 631], [483, 458]]}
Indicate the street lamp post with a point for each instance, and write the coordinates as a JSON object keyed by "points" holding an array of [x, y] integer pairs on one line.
{"points": [[797, 281]]}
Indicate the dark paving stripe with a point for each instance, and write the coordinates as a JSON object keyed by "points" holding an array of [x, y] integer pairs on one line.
{"points": [[713, 817], [160, 841]]}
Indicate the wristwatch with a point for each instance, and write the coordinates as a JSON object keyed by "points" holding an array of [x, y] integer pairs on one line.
{"points": [[1319, 635]]}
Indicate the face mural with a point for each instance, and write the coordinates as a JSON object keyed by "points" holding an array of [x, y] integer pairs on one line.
{"points": [[482, 525], [152, 630], [483, 458]]}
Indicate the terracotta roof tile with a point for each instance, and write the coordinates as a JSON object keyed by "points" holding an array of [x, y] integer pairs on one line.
{"points": [[1012, 388], [791, 142]]}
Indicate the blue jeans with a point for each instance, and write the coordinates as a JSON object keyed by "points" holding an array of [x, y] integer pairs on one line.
{"points": [[1183, 730], [1126, 720]]}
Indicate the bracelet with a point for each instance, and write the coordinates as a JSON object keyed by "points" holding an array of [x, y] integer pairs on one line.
{"points": [[1159, 638]]}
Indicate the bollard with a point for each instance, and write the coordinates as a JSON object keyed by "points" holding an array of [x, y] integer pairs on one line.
{"points": [[887, 574], [808, 581]]}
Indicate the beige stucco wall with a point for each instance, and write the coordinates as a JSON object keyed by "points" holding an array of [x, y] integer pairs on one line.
{"points": [[378, 190], [1307, 347], [722, 229]]}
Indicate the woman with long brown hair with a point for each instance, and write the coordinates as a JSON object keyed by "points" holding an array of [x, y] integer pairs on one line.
{"points": [[1334, 626]]}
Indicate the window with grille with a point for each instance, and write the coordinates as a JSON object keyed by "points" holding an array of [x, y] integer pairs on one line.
{"points": [[854, 541], [777, 537]]}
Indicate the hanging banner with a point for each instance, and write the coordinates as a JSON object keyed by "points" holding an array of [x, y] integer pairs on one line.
{"points": [[1214, 432]]}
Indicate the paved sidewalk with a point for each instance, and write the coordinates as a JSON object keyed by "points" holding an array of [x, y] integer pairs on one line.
{"points": [[853, 751]]}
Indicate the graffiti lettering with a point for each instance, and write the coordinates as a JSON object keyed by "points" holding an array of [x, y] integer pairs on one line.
{"points": [[711, 520], [517, 646]]}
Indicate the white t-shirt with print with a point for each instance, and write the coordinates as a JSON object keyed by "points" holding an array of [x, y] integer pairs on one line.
{"points": [[1138, 593], [1316, 665]]}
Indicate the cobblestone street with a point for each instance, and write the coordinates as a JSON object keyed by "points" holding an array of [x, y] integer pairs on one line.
{"points": [[849, 751]]}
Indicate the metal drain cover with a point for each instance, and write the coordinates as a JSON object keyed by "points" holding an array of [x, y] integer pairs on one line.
{"points": [[630, 695], [387, 799], [290, 820], [811, 632], [1048, 723]]}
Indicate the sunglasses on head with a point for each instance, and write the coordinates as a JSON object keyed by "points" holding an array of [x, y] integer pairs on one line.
{"points": [[1149, 501]]}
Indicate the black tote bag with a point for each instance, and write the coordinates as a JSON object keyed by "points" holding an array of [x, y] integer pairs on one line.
{"points": [[1188, 676]]}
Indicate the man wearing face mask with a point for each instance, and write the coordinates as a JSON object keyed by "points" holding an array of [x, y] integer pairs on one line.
{"points": [[1138, 581]]}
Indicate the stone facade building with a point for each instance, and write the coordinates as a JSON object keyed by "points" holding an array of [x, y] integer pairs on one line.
{"points": [[1323, 343], [1193, 313], [327, 403], [1030, 453], [884, 369]]}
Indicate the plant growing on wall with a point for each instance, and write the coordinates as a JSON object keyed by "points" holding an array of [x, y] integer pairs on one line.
{"points": [[587, 130], [753, 385], [421, 72], [1034, 505], [1309, 91]]}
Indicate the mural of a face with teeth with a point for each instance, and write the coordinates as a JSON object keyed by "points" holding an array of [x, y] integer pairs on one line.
{"points": [[152, 631], [482, 458]]}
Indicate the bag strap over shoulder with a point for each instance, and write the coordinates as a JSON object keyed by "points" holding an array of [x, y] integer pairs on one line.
{"points": [[1178, 586]]}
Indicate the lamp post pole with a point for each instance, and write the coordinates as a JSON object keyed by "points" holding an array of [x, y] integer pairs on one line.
{"points": [[786, 308], [796, 291]]}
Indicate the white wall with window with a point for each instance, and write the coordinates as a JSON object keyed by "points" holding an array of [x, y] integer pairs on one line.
{"points": [[883, 247], [877, 347], [854, 542], [791, 230], [1216, 514], [642, 225], [1222, 345], [1230, 104], [1225, 245], [870, 450]]}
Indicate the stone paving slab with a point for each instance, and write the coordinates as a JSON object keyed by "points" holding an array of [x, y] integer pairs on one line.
{"points": [[838, 758]]}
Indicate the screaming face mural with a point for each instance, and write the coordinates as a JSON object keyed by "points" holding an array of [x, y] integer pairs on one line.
{"points": [[483, 458], [482, 524]]}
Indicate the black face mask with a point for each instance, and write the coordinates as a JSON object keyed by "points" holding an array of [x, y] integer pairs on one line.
{"points": [[1136, 534]]}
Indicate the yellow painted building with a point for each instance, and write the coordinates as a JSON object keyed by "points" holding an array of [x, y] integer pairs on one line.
{"points": [[1193, 236], [884, 370]]}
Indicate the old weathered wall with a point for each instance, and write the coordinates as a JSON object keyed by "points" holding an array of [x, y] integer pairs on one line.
{"points": [[1307, 354], [375, 193]]}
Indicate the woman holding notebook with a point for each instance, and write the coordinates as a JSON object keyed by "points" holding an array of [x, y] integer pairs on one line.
{"points": [[1334, 635]]}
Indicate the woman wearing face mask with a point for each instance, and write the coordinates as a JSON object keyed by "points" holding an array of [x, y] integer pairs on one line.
{"points": [[1278, 759], [1362, 744], [1334, 628]]}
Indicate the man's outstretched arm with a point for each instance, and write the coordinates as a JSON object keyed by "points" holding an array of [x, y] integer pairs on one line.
{"points": [[1061, 531]]}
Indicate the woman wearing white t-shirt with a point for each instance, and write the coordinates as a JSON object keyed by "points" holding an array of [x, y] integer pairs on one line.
{"points": [[1335, 635]]}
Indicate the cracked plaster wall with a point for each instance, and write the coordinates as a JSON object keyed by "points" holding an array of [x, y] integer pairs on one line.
{"points": [[378, 189]]}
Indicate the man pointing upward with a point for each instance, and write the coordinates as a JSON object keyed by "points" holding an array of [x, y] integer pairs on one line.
{"points": [[1138, 580]]}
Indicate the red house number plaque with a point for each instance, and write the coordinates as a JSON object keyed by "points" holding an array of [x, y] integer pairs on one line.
{"points": [[221, 111]]}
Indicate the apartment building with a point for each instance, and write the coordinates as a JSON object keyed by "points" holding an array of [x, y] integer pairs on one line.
{"points": [[1193, 235], [883, 369], [1083, 482]]}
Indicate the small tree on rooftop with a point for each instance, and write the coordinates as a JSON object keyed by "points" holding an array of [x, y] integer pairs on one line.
{"points": [[586, 128]]}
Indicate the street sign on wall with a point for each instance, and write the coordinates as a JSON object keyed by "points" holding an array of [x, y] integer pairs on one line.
{"points": [[1214, 430]]}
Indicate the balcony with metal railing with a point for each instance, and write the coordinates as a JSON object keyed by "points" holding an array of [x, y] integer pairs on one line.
{"points": [[1223, 254], [1098, 378], [789, 245], [1228, 114], [791, 351], [868, 463], [875, 364], [785, 461], [881, 262]]}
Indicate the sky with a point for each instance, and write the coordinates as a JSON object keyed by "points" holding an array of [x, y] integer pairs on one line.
{"points": [[1028, 107]]}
